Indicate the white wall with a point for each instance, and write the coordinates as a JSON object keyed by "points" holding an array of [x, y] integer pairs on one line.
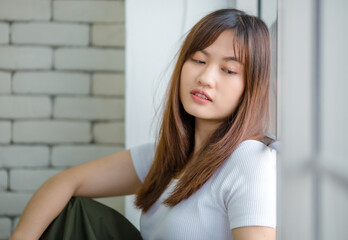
{"points": [[295, 75], [334, 119], [313, 163]]}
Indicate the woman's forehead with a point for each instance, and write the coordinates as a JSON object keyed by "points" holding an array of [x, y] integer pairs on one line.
{"points": [[225, 43]]}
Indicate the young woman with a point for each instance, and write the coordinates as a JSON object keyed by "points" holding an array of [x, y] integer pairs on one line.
{"points": [[208, 176]]}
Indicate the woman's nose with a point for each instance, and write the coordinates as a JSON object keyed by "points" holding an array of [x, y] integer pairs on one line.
{"points": [[207, 77]]}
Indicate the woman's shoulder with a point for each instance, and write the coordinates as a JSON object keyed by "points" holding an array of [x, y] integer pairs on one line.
{"points": [[247, 185], [252, 150], [142, 158], [251, 168], [143, 148], [249, 158]]}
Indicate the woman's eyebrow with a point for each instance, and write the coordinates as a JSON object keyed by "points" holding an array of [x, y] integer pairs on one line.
{"points": [[226, 59], [231, 59]]}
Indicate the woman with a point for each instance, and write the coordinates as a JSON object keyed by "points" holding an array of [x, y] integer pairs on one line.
{"points": [[209, 176]]}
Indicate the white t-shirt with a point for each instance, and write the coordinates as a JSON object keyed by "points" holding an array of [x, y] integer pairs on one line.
{"points": [[242, 192]]}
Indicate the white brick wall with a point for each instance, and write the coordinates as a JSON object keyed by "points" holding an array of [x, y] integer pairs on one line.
{"points": [[109, 132], [25, 10], [15, 222], [51, 83], [67, 156], [4, 32], [5, 228], [108, 84], [51, 132], [108, 35], [5, 132], [13, 203], [24, 107], [89, 11], [14, 58], [24, 156], [29, 179], [5, 82], [88, 108], [94, 59], [50, 33], [3, 180], [61, 92]]}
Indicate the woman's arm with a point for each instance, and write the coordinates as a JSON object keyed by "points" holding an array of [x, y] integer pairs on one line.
{"points": [[113, 175], [254, 233]]}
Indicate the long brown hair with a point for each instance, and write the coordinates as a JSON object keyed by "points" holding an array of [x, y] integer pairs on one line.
{"points": [[249, 120]]}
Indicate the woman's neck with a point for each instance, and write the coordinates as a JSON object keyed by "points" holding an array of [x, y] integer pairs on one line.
{"points": [[203, 130]]}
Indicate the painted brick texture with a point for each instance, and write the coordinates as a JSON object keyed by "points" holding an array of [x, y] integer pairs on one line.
{"points": [[5, 82], [4, 32], [5, 228], [71, 155], [5, 130], [50, 33], [88, 108], [108, 35], [26, 10], [24, 107], [89, 11], [61, 93], [15, 57], [51, 83], [89, 59], [49, 131], [16, 156], [29, 179], [108, 84]]}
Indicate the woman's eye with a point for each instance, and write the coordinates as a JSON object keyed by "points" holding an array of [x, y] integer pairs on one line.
{"points": [[228, 71], [197, 61]]}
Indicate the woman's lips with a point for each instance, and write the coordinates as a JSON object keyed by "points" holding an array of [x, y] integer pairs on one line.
{"points": [[200, 96]]}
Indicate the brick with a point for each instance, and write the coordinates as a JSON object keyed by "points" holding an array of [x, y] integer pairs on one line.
{"points": [[13, 203], [88, 11], [30, 179], [14, 58], [109, 132], [15, 222], [54, 131], [88, 108], [91, 59], [50, 33], [4, 33], [108, 84], [3, 180], [108, 35], [24, 156], [5, 228], [25, 107], [25, 10], [51, 82], [68, 156], [5, 132], [5, 82]]}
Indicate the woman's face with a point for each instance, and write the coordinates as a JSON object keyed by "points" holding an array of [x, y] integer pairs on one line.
{"points": [[212, 81]]}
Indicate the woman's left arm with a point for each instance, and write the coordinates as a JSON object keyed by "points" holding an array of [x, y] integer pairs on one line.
{"points": [[254, 233]]}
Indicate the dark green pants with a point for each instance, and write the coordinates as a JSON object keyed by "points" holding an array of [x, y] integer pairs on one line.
{"points": [[86, 219]]}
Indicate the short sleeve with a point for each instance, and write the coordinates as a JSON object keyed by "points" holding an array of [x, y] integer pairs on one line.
{"points": [[142, 158], [250, 185]]}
